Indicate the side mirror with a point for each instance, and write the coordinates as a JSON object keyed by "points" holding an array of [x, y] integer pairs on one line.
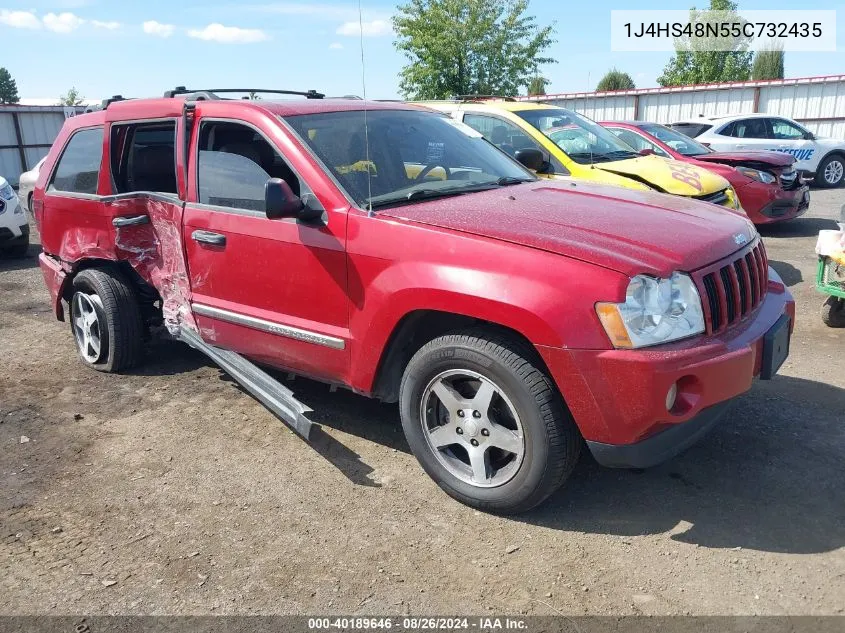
{"points": [[647, 151], [809, 136], [280, 201], [531, 158]]}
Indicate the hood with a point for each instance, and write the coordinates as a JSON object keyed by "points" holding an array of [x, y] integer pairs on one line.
{"points": [[756, 160], [666, 175], [642, 232]]}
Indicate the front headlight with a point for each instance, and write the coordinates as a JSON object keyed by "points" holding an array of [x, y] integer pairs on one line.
{"points": [[655, 311], [756, 174], [733, 198]]}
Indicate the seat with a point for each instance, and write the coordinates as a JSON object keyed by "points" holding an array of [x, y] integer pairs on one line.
{"points": [[153, 169]]}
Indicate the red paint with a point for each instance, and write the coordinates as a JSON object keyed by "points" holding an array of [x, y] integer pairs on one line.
{"points": [[754, 196], [534, 258]]}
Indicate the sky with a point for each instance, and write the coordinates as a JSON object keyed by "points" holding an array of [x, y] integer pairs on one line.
{"points": [[137, 49]]}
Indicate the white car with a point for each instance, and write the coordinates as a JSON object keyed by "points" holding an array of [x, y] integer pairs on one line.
{"points": [[822, 158], [14, 228], [26, 185]]}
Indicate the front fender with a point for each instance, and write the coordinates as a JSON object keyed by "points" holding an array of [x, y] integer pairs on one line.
{"points": [[547, 298]]}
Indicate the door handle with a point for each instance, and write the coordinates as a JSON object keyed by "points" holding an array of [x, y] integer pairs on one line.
{"points": [[207, 237], [133, 221]]}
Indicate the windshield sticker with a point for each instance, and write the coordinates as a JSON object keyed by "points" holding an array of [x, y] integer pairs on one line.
{"points": [[463, 127], [436, 152]]}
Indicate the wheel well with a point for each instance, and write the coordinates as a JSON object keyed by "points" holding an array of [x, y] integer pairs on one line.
{"points": [[147, 294], [418, 328]]}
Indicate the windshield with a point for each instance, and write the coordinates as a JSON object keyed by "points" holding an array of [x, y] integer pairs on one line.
{"points": [[412, 155], [681, 143], [582, 139]]}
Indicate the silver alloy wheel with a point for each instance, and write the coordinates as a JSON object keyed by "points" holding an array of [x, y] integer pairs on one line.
{"points": [[472, 428], [833, 171], [86, 325]]}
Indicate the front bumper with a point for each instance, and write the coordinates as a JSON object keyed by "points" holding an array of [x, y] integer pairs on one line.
{"points": [[766, 204], [618, 397]]}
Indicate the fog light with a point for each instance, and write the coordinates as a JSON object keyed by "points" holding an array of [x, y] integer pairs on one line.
{"points": [[671, 396]]}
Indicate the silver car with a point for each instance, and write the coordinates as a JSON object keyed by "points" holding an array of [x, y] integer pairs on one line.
{"points": [[26, 184]]}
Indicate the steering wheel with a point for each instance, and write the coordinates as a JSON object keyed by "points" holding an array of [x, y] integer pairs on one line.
{"points": [[429, 168]]}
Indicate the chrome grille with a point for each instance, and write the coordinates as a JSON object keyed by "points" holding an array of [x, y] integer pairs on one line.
{"points": [[789, 180], [733, 288]]}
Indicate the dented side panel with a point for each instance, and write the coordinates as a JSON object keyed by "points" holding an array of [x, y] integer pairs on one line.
{"points": [[156, 252]]}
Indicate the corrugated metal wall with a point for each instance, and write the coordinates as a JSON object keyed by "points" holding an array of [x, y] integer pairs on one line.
{"points": [[816, 102], [26, 134]]}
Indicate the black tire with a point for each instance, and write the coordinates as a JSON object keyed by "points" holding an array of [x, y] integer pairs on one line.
{"points": [[833, 312], [121, 338], [18, 250], [821, 181], [552, 443]]}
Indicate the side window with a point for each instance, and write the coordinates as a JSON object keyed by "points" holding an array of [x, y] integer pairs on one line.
{"points": [[79, 166], [749, 128], [234, 163], [503, 134], [786, 131], [509, 138], [143, 157]]}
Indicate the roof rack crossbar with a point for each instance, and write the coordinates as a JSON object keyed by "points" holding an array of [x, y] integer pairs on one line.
{"points": [[211, 92], [475, 97]]}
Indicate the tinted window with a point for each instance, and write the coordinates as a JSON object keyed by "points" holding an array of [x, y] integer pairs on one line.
{"points": [[691, 129], [234, 163], [79, 167], [403, 156], [747, 128], [784, 130], [143, 157]]}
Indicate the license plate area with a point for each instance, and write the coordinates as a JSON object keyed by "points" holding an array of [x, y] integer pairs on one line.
{"points": [[775, 348]]}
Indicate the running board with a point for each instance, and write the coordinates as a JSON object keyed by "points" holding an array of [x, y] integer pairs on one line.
{"points": [[264, 388]]}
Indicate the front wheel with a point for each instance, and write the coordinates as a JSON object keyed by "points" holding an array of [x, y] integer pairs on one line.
{"points": [[831, 171], [833, 312], [486, 423]]}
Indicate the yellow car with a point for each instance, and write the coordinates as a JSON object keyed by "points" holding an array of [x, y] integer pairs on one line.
{"points": [[575, 146]]}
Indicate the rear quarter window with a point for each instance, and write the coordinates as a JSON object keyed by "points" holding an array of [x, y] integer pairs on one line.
{"points": [[78, 169]]}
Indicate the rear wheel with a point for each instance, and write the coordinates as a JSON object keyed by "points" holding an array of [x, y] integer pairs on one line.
{"points": [[105, 320], [833, 312], [486, 423], [831, 171]]}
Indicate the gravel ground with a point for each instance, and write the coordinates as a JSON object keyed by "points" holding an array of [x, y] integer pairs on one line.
{"points": [[170, 491]]}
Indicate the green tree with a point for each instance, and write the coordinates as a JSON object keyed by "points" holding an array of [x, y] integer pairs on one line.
{"points": [[8, 88], [457, 47], [768, 63], [616, 80], [537, 86], [71, 98], [696, 62]]}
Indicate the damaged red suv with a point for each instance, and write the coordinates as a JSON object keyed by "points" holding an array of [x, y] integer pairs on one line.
{"points": [[392, 250], [767, 184]]}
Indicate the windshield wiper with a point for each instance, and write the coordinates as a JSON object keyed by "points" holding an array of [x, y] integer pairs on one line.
{"points": [[430, 194], [506, 181]]}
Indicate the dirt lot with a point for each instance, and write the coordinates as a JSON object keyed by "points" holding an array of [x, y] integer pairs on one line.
{"points": [[171, 491]]}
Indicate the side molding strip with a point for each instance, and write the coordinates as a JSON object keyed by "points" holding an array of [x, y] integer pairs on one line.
{"points": [[264, 388], [269, 326]]}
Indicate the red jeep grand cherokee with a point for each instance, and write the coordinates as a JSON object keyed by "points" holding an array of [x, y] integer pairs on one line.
{"points": [[392, 250]]}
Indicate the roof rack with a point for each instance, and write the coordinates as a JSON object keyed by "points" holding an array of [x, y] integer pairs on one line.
{"points": [[211, 93], [107, 102], [482, 97]]}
